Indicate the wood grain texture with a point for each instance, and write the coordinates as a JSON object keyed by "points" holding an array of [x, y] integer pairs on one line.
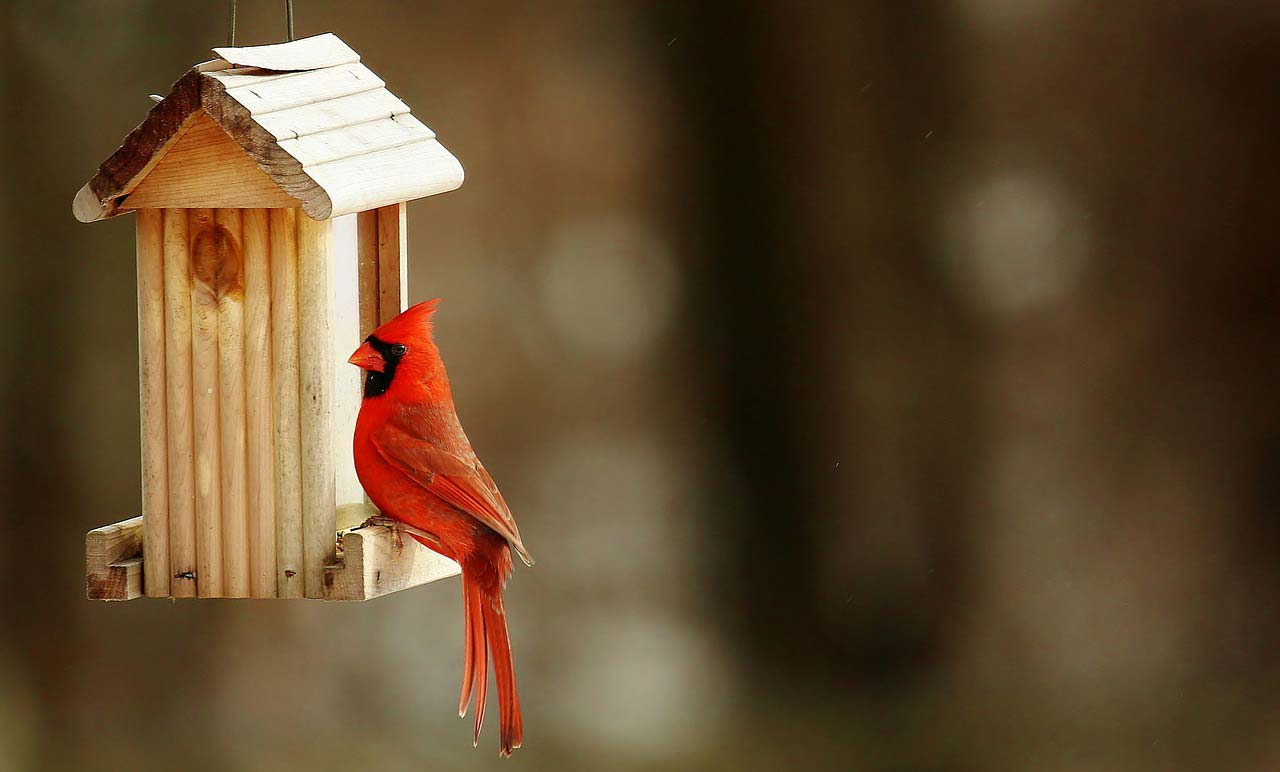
{"points": [[371, 566], [181, 468], [206, 168], [285, 405], [140, 150], [367, 266], [231, 402], [113, 561], [151, 376], [259, 456], [206, 248], [315, 375], [393, 261]]}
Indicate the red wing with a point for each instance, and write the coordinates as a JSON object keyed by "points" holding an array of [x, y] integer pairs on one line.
{"points": [[464, 484]]}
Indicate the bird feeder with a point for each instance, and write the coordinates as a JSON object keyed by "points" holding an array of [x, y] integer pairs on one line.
{"points": [[269, 188]]}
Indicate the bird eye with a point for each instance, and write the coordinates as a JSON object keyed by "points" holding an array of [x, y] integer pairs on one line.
{"points": [[399, 349]]}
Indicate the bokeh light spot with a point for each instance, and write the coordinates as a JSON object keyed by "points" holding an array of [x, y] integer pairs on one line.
{"points": [[1017, 241], [609, 285]]}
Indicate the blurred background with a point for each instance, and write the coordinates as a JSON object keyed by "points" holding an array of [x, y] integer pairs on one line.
{"points": [[881, 386]]}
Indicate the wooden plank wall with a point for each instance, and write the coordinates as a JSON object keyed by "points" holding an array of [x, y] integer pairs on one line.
{"points": [[237, 367]]}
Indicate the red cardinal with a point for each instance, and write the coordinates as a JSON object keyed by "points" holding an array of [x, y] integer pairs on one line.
{"points": [[417, 466]]}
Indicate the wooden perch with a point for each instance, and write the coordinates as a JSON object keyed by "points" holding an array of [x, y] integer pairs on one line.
{"points": [[113, 561], [371, 564]]}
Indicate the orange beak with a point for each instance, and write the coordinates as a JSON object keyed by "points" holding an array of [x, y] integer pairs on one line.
{"points": [[368, 358]]}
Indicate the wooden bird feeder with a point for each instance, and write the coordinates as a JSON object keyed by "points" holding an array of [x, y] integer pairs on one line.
{"points": [[270, 189]]}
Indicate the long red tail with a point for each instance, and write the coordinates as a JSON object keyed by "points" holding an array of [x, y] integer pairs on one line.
{"points": [[486, 630]]}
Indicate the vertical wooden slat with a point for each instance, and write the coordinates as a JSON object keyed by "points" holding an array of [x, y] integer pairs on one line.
{"points": [[231, 404], [206, 244], [151, 365], [315, 372], [347, 381], [367, 260], [393, 255], [182, 487], [259, 460], [285, 389]]}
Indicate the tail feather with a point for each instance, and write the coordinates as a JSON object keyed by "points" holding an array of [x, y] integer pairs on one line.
{"points": [[486, 631], [475, 664], [482, 675], [510, 721], [474, 628]]}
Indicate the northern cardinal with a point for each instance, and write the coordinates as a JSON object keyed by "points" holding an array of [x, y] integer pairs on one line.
{"points": [[417, 466]]}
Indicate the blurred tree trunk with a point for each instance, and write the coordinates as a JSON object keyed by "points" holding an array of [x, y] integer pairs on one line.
{"points": [[844, 365]]}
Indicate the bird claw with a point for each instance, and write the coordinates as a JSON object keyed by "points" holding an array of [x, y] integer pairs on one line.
{"points": [[397, 528], [397, 541], [392, 525]]}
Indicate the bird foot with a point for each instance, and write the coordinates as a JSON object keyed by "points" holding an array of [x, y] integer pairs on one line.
{"points": [[398, 528], [395, 526]]}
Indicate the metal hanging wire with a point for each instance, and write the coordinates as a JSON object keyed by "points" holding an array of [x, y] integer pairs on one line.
{"points": [[231, 22]]}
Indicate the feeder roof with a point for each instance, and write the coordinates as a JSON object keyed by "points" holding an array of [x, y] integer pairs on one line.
{"points": [[316, 121]]}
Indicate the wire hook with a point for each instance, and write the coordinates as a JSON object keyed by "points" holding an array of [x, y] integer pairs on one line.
{"points": [[231, 22]]}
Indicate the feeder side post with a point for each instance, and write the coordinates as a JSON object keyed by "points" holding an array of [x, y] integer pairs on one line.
{"points": [[316, 376], [182, 485], [258, 440], [367, 259], [285, 390], [151, 366], [393, 260]]}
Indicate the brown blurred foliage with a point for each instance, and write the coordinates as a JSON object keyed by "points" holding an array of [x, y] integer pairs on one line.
{"points": [[880, 385]]}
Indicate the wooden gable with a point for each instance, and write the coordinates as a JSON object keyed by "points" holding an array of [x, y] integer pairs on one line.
{"points": [[204, 167]]}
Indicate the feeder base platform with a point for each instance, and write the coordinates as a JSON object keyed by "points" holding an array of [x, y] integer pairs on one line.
{"points": [[369, 562]]}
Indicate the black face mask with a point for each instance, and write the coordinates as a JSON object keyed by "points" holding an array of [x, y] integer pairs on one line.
{"points": [[376, 383]]}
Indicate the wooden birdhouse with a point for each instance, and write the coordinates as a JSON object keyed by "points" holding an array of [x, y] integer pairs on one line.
{"points": [[269, 188]]}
